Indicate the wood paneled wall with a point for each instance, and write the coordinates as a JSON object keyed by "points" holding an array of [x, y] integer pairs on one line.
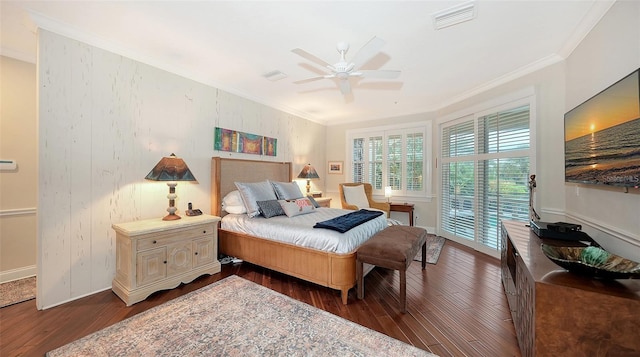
{"points": [[104, 122]]}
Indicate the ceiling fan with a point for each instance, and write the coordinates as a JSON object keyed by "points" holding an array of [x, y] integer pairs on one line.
{"points": [[343, 70]]}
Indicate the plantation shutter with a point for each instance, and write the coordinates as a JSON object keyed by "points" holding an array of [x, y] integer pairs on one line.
{"points": [[503, 171], [458, 181], [415, 162], [357, 161], [485, 170], [375, 162]]}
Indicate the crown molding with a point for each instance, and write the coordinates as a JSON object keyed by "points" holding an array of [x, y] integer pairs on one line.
{"points": [[589, 21], [17, 55]]}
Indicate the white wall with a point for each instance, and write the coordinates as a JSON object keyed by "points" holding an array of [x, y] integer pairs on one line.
{"points": [[610, 52], [104, 122], [18, 187]]}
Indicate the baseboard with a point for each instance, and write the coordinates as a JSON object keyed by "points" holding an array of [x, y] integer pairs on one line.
{"points": [[39, 305], [17, 274]]}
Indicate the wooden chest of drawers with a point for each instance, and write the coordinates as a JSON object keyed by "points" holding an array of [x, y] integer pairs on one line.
{"points": [[154, 255]]}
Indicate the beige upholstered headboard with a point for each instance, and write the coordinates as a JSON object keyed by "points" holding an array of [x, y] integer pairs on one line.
{"points": [[224, 172]]}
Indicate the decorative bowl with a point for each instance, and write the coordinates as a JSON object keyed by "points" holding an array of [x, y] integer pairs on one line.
{"points": [[592, 261]]}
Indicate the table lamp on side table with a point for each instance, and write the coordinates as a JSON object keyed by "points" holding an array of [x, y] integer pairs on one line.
{"points": [[308, 173], [171, 169]]}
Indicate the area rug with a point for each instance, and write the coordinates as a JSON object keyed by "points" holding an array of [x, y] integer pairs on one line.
{"points": [[17, 291], [236, 317], [434, 247]]}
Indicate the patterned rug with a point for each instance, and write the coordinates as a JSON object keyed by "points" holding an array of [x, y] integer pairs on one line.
{"points": [[236, 317], [17, 291], [434, 247]]}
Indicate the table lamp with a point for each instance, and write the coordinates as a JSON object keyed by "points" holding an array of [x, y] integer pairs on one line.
{"points": [[171, 169], [387, 192], [308, 173]]}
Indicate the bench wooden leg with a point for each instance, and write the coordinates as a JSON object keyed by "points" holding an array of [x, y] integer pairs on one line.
{"points": [[359, 280], [344, 294], [403, 290], [424, 254]]}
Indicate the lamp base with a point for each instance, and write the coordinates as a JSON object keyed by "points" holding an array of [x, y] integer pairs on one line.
{"points": [[171, 217]]}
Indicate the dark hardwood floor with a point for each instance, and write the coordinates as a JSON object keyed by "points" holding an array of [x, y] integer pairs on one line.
{"points": [[455, 308]]}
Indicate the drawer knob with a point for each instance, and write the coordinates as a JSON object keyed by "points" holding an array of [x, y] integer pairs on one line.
{"points": [[196, 253], [165, 262], [204, 232], [154, 242]]}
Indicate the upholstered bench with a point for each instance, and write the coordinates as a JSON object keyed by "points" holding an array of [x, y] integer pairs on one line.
{"points": [[393, 248]]}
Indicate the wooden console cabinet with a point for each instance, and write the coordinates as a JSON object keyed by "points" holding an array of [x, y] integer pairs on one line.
{"points": [[154, 255], [558, 313]]}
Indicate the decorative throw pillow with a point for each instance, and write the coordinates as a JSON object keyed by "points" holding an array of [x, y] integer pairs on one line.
{"points": [[253, 192], [313, 202], [297, 207], [270, 208], [232, 203], [287, 190], [354, 195]]}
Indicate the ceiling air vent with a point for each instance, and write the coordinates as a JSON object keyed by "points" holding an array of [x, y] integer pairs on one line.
{"points": [[454, 15], [274, 75]]}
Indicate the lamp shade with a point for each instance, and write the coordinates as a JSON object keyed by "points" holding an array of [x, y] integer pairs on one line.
{"points": [[308, 172], [171, 168]]}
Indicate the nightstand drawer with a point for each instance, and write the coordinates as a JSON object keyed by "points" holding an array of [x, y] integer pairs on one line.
{"points": [[154, 240]]}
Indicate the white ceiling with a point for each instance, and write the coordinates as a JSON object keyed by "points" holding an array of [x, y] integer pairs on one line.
{"points": [[231, 44]]}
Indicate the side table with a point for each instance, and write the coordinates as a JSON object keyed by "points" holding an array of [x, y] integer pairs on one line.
{"points": [[154, 255], [403, 207], [324, 201]]}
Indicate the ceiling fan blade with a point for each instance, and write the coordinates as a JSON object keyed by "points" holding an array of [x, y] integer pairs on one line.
{"points": [[345, 87], [304, 54], [326, 76], [379, 73], [367, 51]]}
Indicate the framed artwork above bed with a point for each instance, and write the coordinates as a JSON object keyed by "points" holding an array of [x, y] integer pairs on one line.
{"points": [[240, 142]]}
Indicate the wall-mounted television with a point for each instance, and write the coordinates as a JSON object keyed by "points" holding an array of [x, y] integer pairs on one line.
{"points": [[602, 136]]}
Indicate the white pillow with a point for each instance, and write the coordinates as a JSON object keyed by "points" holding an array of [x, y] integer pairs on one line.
{"points": [[232, 203], [297, 207], [239, 209], [253, 192], [354, 195], [287, 190], [232, 198]]}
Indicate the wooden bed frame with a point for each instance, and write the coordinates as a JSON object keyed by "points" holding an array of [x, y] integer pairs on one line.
{"points": [[336, 271]]}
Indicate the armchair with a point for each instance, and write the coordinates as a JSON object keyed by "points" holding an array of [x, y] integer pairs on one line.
{"points": [[359, 200]]}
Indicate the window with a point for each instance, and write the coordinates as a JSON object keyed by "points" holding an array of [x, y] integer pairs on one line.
{"points": [[391, 156], [484, 174]]}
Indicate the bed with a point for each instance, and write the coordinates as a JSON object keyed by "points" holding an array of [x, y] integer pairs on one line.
{"points": [[333, 270]]}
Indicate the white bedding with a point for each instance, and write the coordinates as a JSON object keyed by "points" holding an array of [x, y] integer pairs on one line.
{"points": [[299, 230]]}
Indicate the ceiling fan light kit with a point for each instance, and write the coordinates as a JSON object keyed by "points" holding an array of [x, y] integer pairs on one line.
{"points": [[344, 69]]}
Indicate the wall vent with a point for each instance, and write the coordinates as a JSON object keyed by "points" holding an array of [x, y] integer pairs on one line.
{"points": [[274, 75], [454, 15]]}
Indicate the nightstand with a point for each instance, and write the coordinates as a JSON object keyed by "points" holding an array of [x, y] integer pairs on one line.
{"points": [[324, 201], [154, 255], [403, 207]]}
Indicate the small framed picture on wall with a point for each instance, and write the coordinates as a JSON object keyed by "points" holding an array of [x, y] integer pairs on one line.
{"points": [[335, 167]]}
